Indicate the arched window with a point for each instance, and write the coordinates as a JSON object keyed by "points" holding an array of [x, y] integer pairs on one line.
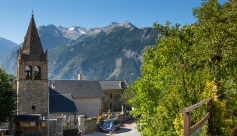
{"points": [[37, 73], [28, 73]]}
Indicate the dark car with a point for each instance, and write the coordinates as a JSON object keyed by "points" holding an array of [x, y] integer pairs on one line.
{"points": [[106, 124]]}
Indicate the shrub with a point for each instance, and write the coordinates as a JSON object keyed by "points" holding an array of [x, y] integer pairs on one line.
{"points": [[95, 118], [65, 126], [110, 116], [118, 115], [90, 118]]}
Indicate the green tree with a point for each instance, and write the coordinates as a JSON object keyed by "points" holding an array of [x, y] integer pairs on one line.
{"points": [[127, 95], [8, 97], [12, 78], [185, 68]]}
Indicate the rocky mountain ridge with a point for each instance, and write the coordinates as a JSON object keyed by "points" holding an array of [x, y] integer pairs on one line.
{"points": [[75, 32], [111, 55], [5, 45]]}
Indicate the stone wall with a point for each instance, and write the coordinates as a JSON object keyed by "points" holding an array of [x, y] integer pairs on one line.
{"points": [[92, 126], [73, 120], [116, 105], [32, 93], [125, 118]]}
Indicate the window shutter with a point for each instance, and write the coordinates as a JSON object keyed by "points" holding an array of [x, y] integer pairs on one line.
{"points": [[103, 106], [112, 95], [109, 95]]}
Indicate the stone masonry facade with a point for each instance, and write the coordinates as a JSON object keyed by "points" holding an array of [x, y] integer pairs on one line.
{"points": [[32, 74], [116, 104], [32, 93]]}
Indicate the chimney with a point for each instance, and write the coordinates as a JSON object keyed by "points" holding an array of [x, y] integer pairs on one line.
{"points": [[79, 76], [121, 84]]}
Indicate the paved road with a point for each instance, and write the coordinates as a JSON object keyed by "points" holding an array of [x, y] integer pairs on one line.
{"points": [[127, 129]]}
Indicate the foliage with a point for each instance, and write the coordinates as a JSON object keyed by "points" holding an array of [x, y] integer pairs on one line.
{"points": [[95, 118], [118, 115], [8, 97], [124, 112], [110, 116], [90, 118], [127, 95], [189, 65], [99, 113], [12, 78], [65, 127]]}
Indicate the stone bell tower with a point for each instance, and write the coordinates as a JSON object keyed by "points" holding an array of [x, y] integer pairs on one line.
{"points": [[32, 74]]}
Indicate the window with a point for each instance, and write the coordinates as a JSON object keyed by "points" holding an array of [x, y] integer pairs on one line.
{"points": [[28, 125], [28, 71], [37, 73], [33, 107], [43, 124], [111, 95]]}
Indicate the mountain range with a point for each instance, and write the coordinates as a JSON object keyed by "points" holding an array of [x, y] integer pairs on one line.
{"points": [[5, 45], [106, 53]]}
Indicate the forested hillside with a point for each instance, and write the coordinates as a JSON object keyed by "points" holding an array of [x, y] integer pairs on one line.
{"points": [[113, 55]]}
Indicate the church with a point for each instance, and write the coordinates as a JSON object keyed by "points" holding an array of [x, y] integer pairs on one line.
{"points": [[40, 98]]}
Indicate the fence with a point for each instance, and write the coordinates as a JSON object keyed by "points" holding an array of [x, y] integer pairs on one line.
{"points": [[188, 130], [231, 112]]}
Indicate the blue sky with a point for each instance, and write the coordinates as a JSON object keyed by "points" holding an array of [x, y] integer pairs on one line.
{"points": [[15, 14]]}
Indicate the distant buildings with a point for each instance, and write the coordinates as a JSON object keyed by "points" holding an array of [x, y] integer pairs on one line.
{"points": [[67, 97]]}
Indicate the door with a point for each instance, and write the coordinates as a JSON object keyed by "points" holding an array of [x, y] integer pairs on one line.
{"points": [[110, 106]]}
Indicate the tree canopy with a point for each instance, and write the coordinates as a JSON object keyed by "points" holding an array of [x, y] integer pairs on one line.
{"points": [[127, 95], [8, 97], [188, 65]]}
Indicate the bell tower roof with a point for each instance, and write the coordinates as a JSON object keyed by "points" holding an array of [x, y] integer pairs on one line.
{"points": [[32, 49]]}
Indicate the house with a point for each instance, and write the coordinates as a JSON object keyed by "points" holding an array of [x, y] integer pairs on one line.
{"points": [[69, 96], [113, 89], [84, 97]]}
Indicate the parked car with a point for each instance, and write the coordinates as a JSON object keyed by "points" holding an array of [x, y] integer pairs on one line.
{"points": [[106, 124]]}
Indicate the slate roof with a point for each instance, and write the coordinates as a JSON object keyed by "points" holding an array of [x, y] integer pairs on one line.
{"points": [[26, 118], [113, 84], [32, 48], [63, 92], [77, 88], [61, 103]]}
